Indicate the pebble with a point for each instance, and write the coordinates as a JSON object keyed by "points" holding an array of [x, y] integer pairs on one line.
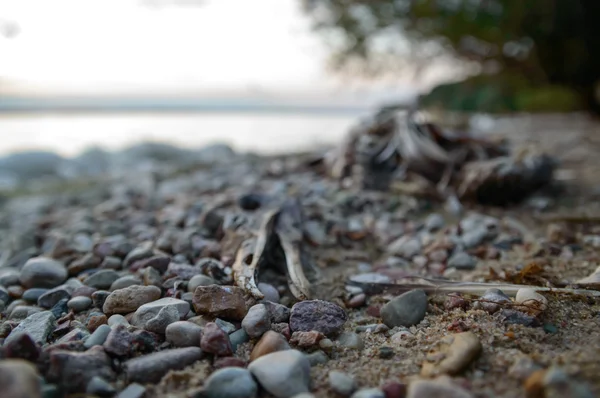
{"points": [[38, 326], [134, 390], [159, 263], [462, 261], [394, 389], [80, 303], [369, 393], [139, 253], [98, 337], [408, 309], [257, 321], [455, 353], [151, 277], [53, 296], [19, 379], [350, 340], [22, 311], [117, 319], [531, 301], [557, 383], [306, 339], [405, 247], [74, 370], [9, 277], [119, 341], [149, 311], [278, 313], [166, 316], [129, 299], [151, 368], [125, 281], [110, 262], [232, 382], [238, 337], [326, 344], [99, 297], [42, 272], [31, 295], [317, 358], [282, 373], [492, 300], [226, 302], [22, 346], [183, 334], [101, 279], [270, 342], [386, 352], [342, 383], [322, 316], [200, 280], [95, 321], [60, 308], [357, 301], [215, 341], [433, 222], [225, 326], [271, 294], [100, 387], [441, 387], [514, 317]]}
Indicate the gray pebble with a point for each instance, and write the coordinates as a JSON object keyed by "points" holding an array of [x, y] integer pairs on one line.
{"points": [[230, 383], [200, 280], [282, 373], [322, 316], [370, 393], [238, 337], [271, 294], [80, 303], [342, 383], [148, 311], [166, 316], [436, 388], [42, 272], [462, 261], [100, 387], [139, 253], [225, 326], [9, 277], [405, 247], [38, 326], [53, 296], [257, 321], [31, 295], [125, 281], [371, 277], [102, 279], [151, 368], [433, 222], [316, 358], [117, 319], [350, 340], [99, 297], [110, 262], [98, 337], [408, 309], [129, 299], [21, 312], [133, 390], [183, 334]]}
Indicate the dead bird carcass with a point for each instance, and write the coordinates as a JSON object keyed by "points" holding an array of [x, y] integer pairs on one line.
{"points": [[277, 243], [400, 145]]}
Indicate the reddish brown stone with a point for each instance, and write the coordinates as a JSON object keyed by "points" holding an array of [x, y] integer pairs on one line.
{"points": [[227, 302], [96, 321], [394, 389], [268, 343], [306, 339], [215, 341]]}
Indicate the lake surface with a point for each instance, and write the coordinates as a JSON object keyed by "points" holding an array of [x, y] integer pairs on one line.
{"points": [[70, 133]]}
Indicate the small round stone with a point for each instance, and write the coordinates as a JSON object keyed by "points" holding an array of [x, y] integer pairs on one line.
{"points": [[371, 393], [408, 309], [102, 279], [342, 383], [183, 334], [129, 299], [532, 302], [434, 221], [322, 316], [270, 342], [98, 337], [117, 319], [125, 281], [80, 303], [42, 272], [215, 341], [200, 280], [257, 321], [462, 261], [271, 294], [232, 382], [350, 340], [283, 373]]}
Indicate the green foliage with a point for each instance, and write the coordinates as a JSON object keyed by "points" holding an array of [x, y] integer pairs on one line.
{"points": [[550, 43]]}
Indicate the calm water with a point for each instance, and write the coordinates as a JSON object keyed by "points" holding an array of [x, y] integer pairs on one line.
{"points": [[69, 134]]}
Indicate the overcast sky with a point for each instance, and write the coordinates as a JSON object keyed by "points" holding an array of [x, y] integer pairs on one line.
{"points": [[179, 43]]}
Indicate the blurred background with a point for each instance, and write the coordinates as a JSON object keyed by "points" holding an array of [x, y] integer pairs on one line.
{"points": [[92, 86]]}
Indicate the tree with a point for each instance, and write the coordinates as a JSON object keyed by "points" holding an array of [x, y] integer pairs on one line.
{"points": [[544, 41]]}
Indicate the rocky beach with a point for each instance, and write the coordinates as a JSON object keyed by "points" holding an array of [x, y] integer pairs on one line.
{"points": [[242, 276]]}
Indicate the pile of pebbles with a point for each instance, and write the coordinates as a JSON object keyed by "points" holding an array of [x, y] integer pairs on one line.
{"points": [[108, 293]]}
